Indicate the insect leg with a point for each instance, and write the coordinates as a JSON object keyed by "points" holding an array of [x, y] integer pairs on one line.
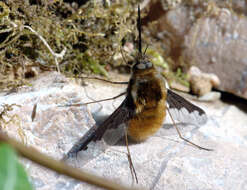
{"points": [[180, 136], [96, 78], [97, 101], [131, 165]]}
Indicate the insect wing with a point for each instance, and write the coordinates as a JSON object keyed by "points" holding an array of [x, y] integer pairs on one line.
{"points": [[184, 111], [98, 138]]}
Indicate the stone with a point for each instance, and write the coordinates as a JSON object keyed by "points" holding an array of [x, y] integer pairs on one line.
{"points": [[200, 86], [210, 35], [216, 45], [163, 161], [202, 83], [210, 97], [54, 129], [180, 87]]}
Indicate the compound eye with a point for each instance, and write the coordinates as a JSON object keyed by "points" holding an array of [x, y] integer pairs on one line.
{"points": [[141, 66], [149, 65]]}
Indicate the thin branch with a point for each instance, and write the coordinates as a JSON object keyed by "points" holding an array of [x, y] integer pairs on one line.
{"points": [[56, 55], [58, 166]]}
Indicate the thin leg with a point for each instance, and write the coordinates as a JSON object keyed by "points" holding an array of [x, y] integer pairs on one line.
{"points": [[146, 49], [115, 107], [96, 78], [85, 90], [97, 101], [180, 136], [132, 169]]}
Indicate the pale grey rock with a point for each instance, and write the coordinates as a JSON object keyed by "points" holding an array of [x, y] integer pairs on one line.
{"points": [[54, 129], [162, 162], [208, 34], [210, 97], [216, 44]]}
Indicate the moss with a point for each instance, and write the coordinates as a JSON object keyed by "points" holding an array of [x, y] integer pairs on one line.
{"points": [[178, 76], [5, 117], [92, 34], [157, 59]]}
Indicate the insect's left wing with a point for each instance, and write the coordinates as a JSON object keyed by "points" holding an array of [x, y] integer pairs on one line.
{"points": [[111, 130], [184, 111]]}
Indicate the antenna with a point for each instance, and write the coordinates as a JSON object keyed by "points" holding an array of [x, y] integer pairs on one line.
{"points": [[139, 30], [146, 49]]}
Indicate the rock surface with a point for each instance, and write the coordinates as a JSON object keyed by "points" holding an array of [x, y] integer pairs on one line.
{"points": [[202, 83], [207, 34], [161, 162], [217, 45]]}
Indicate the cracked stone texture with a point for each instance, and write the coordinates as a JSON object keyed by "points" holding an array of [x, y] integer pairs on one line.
{"points": [[161, 162]]}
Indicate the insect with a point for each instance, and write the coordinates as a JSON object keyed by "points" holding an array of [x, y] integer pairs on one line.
{"points": [[144, 108]]}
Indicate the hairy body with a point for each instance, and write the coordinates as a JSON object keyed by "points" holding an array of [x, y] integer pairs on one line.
{"points": [[148, 91], [144, 108]]}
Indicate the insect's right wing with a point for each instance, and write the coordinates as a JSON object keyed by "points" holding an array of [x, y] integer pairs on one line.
{"points": [[111, 130], [184, 111]]}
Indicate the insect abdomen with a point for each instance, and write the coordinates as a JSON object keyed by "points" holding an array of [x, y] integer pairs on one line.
{"points": [[147, 123], [149, 95]]}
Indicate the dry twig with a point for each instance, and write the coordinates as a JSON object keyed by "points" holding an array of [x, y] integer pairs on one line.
{"points": [[58, 166]]}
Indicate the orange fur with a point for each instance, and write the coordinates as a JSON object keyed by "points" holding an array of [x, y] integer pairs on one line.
{"points": [[150, 111], [147, 122]]}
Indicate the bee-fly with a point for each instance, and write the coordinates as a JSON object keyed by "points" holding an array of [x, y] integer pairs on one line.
{"points": [[144, 107]]}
